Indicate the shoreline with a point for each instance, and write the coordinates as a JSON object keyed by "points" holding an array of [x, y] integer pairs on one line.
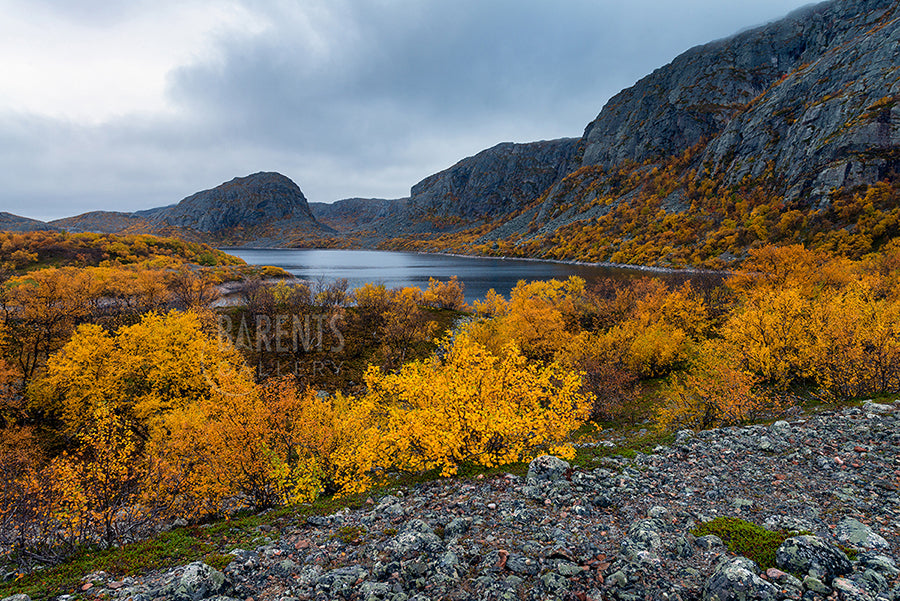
{"points": [[601, 264]]}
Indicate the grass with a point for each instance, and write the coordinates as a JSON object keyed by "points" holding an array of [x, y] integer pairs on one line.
{"points": [[745, 538]]}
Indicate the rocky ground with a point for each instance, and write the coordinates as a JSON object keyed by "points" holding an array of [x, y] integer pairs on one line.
{"points": [[618, 531]]}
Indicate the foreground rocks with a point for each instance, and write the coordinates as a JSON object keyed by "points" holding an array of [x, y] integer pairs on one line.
{"points": [[620, 530]]}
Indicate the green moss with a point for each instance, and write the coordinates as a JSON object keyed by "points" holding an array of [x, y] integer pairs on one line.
{"points": [[350, 535], [745, 538]]}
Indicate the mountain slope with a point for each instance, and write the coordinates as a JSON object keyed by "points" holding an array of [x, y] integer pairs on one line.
{"points": [[263, 209], [785, 133], [493, 183]]}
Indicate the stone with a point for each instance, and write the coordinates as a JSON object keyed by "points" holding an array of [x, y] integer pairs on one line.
{"points": [[856, 534], [737, 579], [815, 585], [547, 468], [199, 581], [806, 554]]}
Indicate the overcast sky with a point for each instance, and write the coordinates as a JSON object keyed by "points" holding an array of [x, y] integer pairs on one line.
{"points": [[131, 104]]}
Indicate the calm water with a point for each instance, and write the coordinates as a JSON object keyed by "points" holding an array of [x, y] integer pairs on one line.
{"points": [[394, 269]]}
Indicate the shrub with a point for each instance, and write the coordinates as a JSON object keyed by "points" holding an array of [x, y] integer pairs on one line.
{"points": [[468, 405]]}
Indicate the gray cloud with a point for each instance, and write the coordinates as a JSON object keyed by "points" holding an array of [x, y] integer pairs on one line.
{"points": [[354, 98]]}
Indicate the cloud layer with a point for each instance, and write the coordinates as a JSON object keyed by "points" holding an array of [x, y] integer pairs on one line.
{"points": [[146, 104]]}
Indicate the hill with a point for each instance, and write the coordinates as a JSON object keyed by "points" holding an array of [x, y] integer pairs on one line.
{"points": [[15, 223], [264, 209]]}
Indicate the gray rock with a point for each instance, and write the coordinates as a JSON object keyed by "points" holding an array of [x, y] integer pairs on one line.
{"points": [[877, 407], [415, 536], [341, 581], [815, 585], [781, 428], [788, 523], [457, 527], [709, 542], [683, 436], [812, 555], [643, 535], [19, 597], [880, 563], [546, 468], [856, 534], [849, 591], [199, 581], [737, 579]]}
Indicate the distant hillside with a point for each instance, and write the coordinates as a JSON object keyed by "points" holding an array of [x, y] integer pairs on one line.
{"points": [[266, 209], [15, 223], [258, 200], [101, 222], [355, 214]]}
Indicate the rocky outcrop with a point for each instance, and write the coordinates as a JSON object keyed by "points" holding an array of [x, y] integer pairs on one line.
{"points": [[812, 95], [259, 199], [355, 214]]}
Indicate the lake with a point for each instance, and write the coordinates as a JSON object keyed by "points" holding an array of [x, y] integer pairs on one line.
{"points": [[395, 269]]}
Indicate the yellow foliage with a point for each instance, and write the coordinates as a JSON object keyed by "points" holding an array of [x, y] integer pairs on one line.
{"points": [[468, 405], [165, 362], [771, 334], [712, 393], [855, 347], [445, 295], [539, 317]]}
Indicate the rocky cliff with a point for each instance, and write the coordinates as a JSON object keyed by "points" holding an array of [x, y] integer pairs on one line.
{"points": [[494, 183], [764, 136], [809, 92]]}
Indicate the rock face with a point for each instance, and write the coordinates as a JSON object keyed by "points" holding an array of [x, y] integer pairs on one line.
{"points": [[815, 93], [246, 202], [495, 182]]}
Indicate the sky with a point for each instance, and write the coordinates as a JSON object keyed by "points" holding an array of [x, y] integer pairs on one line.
{"points": [[125, 105]]}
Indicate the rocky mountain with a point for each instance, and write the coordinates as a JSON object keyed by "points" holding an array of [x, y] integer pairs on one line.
{"points": [[244, 202], [786, 121], [262, 209], [356, 214], [494, 183]]}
